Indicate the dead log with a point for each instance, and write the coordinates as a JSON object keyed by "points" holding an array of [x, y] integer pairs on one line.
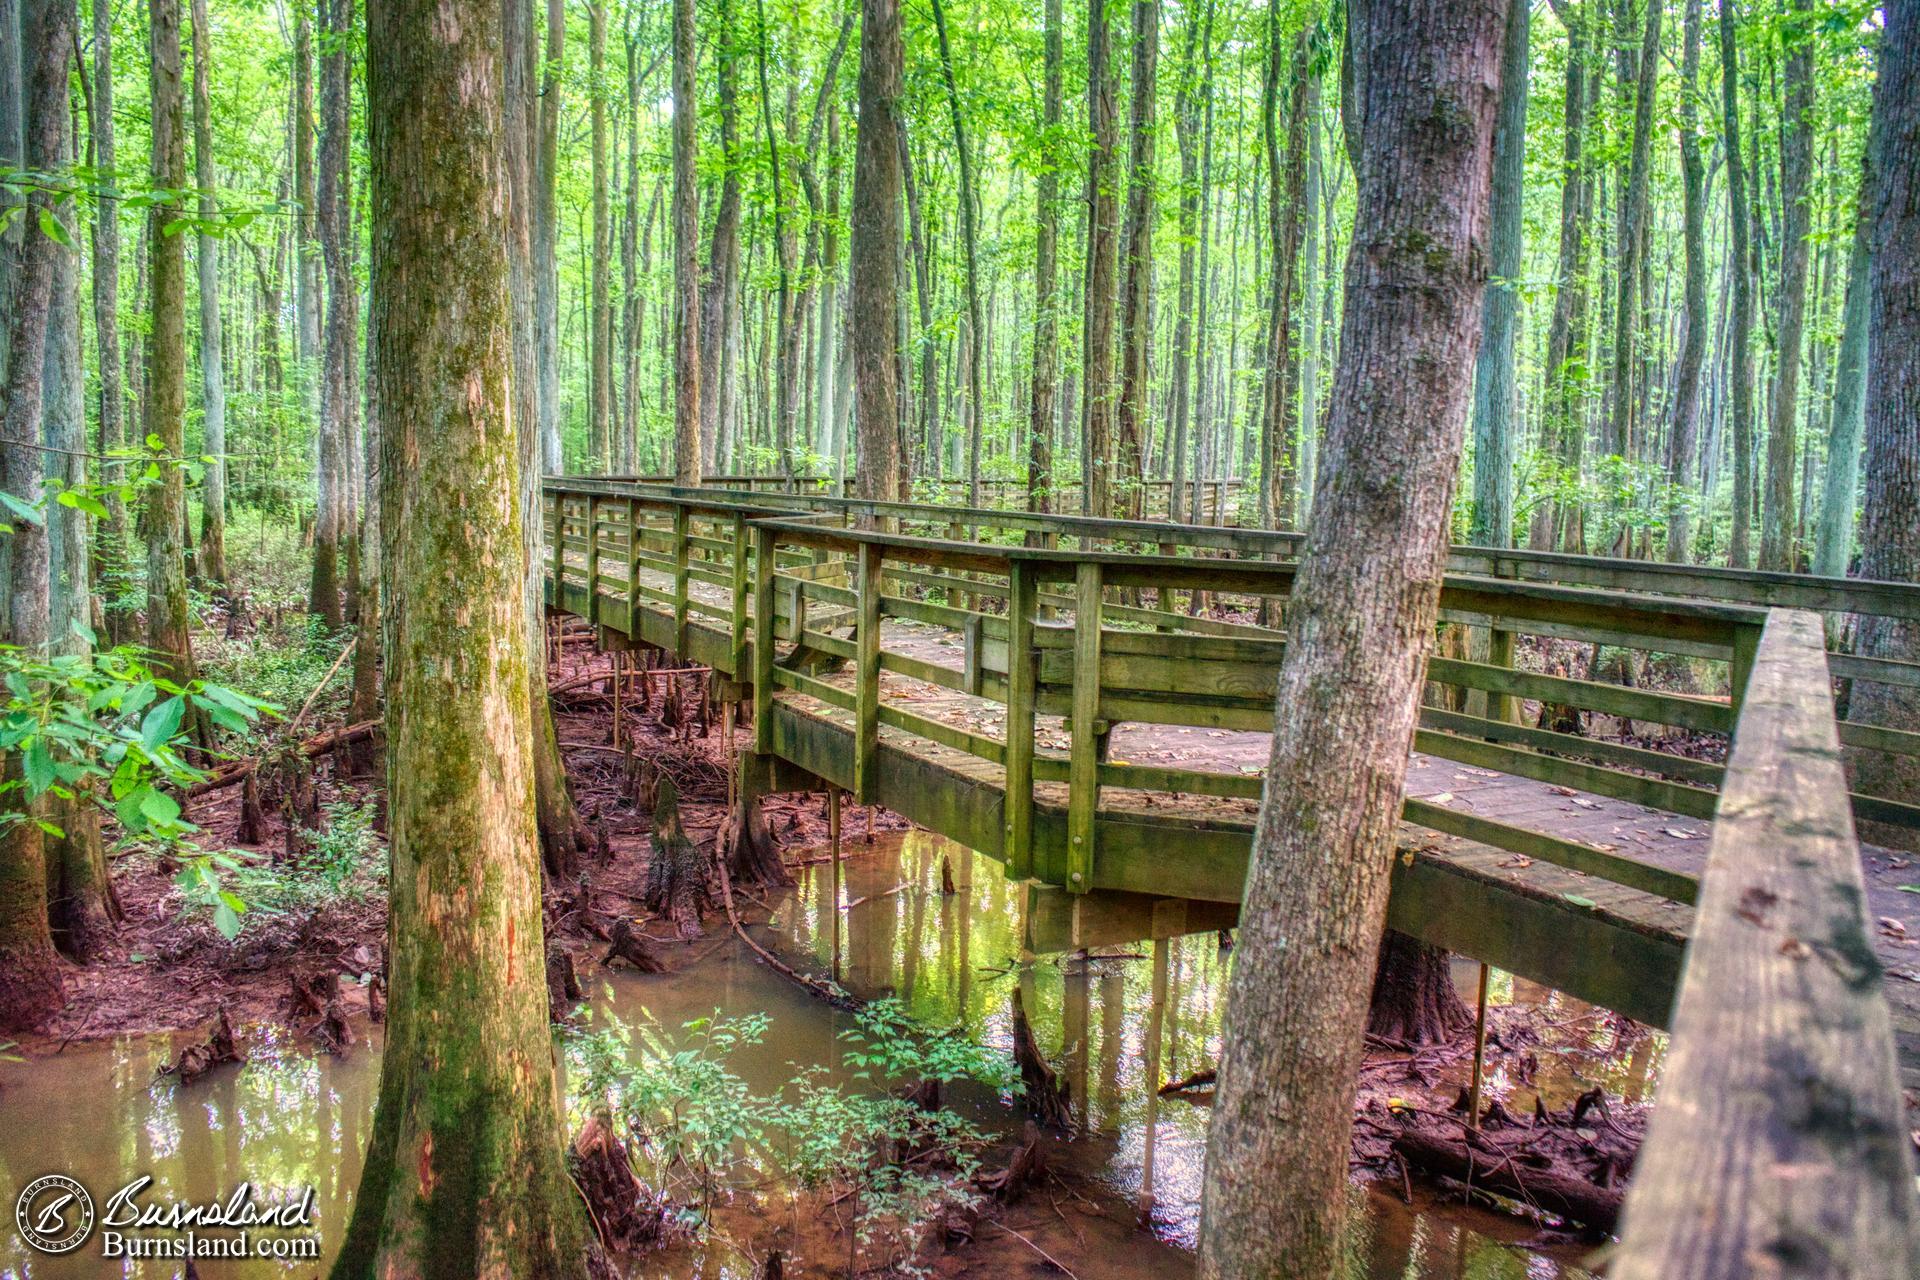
{"points": [[203, 1056], [317, 745], [1198, 1080], [676, 887], [1046, 1093], [628, 945], [753, 859], [1560, 1194]]}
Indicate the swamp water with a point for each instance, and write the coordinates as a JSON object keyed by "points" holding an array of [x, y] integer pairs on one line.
{"points": [[290, 1118]]}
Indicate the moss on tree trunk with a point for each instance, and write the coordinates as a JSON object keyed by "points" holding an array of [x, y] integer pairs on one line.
{"points": [[466, 1170]]}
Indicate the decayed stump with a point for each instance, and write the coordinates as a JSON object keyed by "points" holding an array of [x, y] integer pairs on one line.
{"points": [[753, 858], [676, 886], [253, 814], [627, 944], [1046, 1093], [199, 1058], [563, 984], [627, 1215]]}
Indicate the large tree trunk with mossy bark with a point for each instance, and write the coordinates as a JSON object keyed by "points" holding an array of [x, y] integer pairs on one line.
{"points": [[1361, 623], [1890, 505], [466, 1169], [874, 252], [31, 988]]}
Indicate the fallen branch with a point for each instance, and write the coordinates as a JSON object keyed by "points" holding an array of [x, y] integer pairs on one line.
{"points": [[832, 993], [317, 745], [1560, 1194], [325, 680]]}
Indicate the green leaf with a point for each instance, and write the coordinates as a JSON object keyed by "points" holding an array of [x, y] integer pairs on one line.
{"points": [[20, 508], [83, 502], [38, 764], [1908, 888], [162, 723], [160, 809], [52, 229], [227, 921], [1579, 901]]}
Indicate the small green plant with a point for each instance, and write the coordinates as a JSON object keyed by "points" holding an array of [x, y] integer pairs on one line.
{"points": [[340, 864]]}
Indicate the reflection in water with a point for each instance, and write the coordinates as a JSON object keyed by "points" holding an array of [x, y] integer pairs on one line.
{"points": [[287, 1118]]}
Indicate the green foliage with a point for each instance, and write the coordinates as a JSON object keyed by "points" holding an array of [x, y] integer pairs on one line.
{"points": [[341, 863], [698, 1129]]}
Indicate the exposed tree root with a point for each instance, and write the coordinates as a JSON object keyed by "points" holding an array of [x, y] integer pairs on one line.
{"points": [[625, 1214], [628, 945], [1046, 1093], [676, 887], [747, 845], [203, 1056]]}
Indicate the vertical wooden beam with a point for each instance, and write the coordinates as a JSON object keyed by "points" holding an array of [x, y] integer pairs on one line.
{"points": [[1083, 766], [593, 559], [737, 617], [958, 597], [763, 640], [681, 529], [866, 672], [1746, 646], [557, 548], [633, 569], [1020, 693]]}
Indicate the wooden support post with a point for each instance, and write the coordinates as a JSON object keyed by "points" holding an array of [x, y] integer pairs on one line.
{"points": [[1746, 644], [593, 559], [1163, 598], [957, 596], [973, 637], [680, 531], [833, 836], [866, 672], [1083, 769], [559, 550], [737, 619], [763, 640], [1479, 1051], [1020, 710]]}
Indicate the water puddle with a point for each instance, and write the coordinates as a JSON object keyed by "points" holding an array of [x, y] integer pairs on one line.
{"points": [[288, 1118]]}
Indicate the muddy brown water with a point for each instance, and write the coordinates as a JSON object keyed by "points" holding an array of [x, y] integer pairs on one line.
{"points": [[289, 1118]]}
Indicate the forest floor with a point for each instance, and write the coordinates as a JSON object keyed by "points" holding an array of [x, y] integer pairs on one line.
{"points": [[1551, 1136]]}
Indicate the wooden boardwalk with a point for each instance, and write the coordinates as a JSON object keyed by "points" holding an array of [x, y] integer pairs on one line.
{"points": [[1053, 706]]}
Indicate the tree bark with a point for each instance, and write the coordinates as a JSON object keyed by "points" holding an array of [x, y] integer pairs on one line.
{"points": [[334, 520], [874, 252], [1682, 441], [686, 254], [32, 989], [1633, 239], [465, 1171], [1103, 259], [1286, 183], [1741, 339], [306, 251], [212, 560], [1890, 503], [1557, 526], [546, 236], [600, 352], [1136, 302], [106, 315], [1796, 172], [163, 517], [976, 406], [1360, 625], [1046, 289], [1493, 382], [1833, 543]]}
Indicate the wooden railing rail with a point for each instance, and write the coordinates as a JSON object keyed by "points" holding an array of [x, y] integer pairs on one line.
{"points": [[1779, 1146]]}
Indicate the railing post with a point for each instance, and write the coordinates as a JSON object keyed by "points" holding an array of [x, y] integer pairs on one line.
{"points": [[1746, 646], [1020, 711], [681, 528], [763, 640], [633, 570], [956, 596], [593, 559], [1083, 768], [866, 672], [557, 549], [737, 619]]}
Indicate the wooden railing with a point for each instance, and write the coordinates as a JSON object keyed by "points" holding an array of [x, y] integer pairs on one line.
{"points": [[1780, 1146]]}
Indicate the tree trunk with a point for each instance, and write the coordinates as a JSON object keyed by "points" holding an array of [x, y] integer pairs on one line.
{"points": [[33, 988], [976, 406], [874, 252], [465, 1171], [1361, 625], [546, 236], [1186, 125], [1633, 239], [1796, 171], [164, 515], [1046, 289], [1890, 504], [1741, 340], [1493, 384], [1286, 183], [1136, 303], [1833, 544], [106, 318], [1562, 426], [1681, 444], [334, 520], [1103, 259], [718, 309], [306, 251], [212, 561], [1413, 999], [600, 344], [686, 254]]}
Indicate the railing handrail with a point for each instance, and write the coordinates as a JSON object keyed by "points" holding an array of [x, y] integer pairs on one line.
{"points": [[1780, 1132], [1756, 588]]}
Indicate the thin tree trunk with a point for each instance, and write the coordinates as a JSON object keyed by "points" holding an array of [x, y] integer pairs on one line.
{"points": [[334, 519], [465, 1171], [1493, 381], [1286, 179], [306, 251], [1741, 373], [1360, 626], [976, 406], [212, 560], [546, 237], [686, 254], [719, 308], [1562, 396], [1633, 239], [106, 316], [1103, 258], [1136, 302], [1833, 543], [1681, 443], [874, 251], [1796, 165]]}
